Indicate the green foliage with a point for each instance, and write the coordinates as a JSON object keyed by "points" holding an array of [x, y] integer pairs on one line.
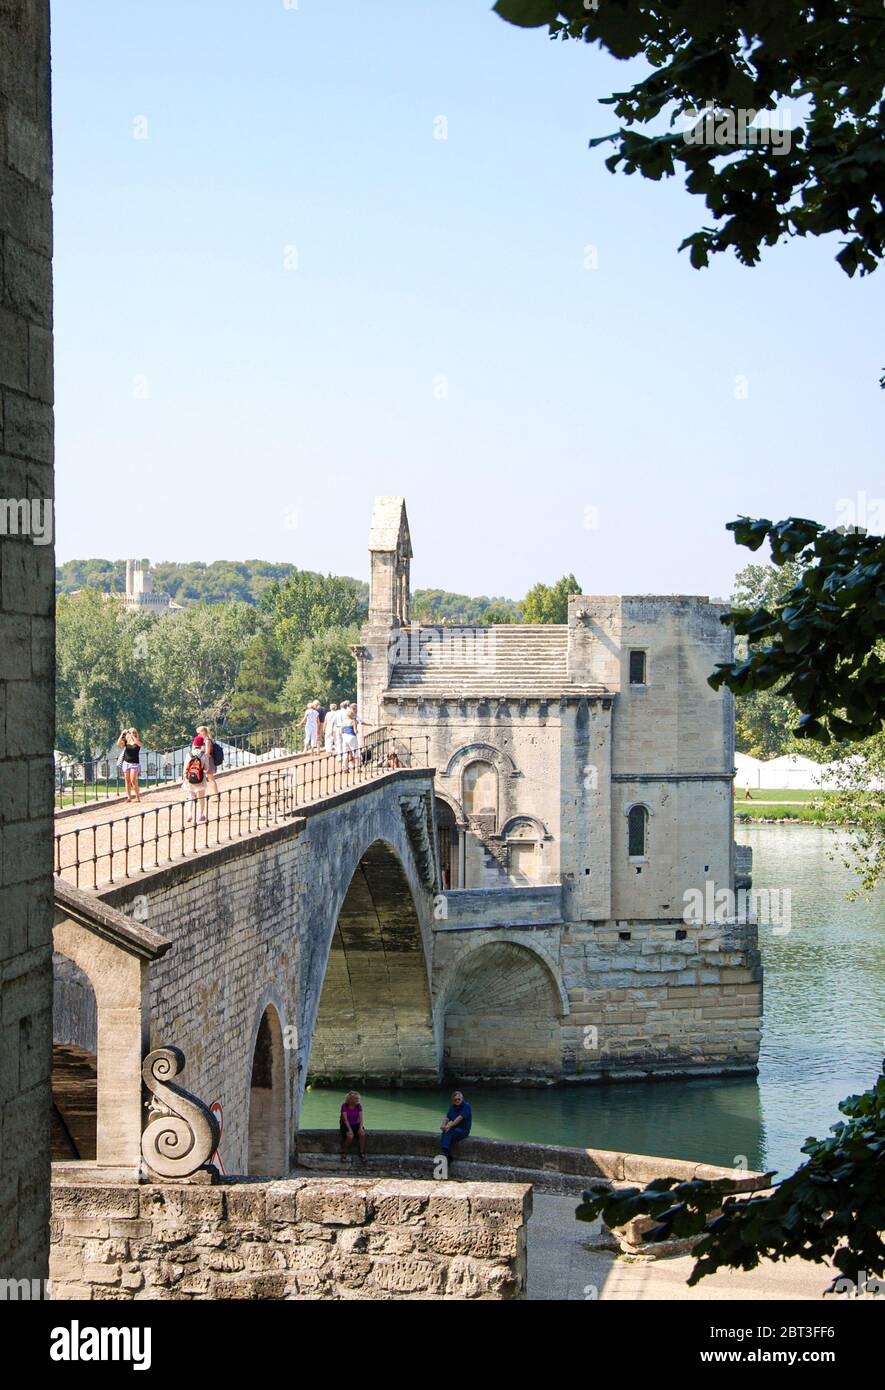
{"points": [[832, 1207], [195, 656], [826, 56], [821, 642], [324, 669], [437, 606], [222, 581], [103, 679], [305, 605], [544, 604], [255, 701], [764, 719], [858, 804]]}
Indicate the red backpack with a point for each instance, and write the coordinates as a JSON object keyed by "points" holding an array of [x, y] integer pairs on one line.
{"points": [[195, 772]]}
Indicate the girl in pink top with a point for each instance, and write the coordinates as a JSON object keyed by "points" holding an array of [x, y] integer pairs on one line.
{"points": [[351, 1126]]}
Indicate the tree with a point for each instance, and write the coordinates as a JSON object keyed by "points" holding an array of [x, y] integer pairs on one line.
{"points": [[822, 641], [713, 64], [857, 802], [196, 655], [832, 1207], [255, 701], [764, 719], [544, 604], [103, 677], [306, 605], [438, 605], [324, 669]]}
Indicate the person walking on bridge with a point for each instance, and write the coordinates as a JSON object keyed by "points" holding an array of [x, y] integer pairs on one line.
{"points": [[194, 779], [350, 738], [310, 721], [205, 741], [329, 729], [130, 761]]}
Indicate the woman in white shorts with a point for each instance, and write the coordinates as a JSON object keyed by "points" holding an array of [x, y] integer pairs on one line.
{"points": [[350, 743]]}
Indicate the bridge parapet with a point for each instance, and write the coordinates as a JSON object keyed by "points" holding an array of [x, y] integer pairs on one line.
{"points": [[108, 843]]}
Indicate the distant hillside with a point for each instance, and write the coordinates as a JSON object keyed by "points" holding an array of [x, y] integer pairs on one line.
{"points": [[434, 605], [194, 582], [246, 580]]}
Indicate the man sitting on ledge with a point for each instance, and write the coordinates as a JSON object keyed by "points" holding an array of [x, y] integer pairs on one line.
{"points": [[456, 1125]]}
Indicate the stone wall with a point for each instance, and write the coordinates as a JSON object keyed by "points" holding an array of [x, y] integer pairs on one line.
{"points": [[27, 589], [305, 1238], [629, 1000]]}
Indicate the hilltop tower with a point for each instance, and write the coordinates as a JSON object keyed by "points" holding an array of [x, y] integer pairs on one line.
{"points": [[140, 588]]}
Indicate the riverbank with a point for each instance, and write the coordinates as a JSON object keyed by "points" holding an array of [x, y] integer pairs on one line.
{"points": [[562, 1267]]}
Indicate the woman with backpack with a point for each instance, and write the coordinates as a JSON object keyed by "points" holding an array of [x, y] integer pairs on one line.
{"points": [[193, 781], [205, 741]]}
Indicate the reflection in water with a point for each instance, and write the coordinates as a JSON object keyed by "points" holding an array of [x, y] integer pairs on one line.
{"points": [[822, 1040]]}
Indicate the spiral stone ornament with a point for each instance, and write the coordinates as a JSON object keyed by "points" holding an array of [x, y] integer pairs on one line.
{"points": [[182, 1133]]}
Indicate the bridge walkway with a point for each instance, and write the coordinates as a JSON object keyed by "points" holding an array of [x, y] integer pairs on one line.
{"points": [[106, 842]]}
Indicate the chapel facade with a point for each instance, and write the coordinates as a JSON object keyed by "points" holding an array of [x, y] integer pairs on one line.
{"points": [[584, 807]]}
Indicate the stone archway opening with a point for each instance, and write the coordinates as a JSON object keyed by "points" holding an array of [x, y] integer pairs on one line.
{"points": [[374, 1024], [502, 1016], [268, 1130], [74, 1115]]}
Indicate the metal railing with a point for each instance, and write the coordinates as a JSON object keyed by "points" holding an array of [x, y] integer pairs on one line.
{"points": [[114, 848], [101, 779]]}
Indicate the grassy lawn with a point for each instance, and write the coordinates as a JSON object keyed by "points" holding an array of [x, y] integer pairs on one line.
{"points": [[782, 805], [780, 794]]}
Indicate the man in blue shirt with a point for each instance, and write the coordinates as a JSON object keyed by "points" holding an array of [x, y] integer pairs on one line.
{"points": [[456, 1125]]}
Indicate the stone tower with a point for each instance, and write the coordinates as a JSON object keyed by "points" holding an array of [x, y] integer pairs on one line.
{"points": [[390, 552]]}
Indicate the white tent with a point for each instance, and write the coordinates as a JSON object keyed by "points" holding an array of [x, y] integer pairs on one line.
{"points": [[790, 772]]}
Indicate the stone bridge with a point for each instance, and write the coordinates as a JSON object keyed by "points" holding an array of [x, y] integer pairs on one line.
{"points": [[305, 944]]}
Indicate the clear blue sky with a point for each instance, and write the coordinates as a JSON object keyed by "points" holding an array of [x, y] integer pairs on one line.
{"points": [[280, 401]]}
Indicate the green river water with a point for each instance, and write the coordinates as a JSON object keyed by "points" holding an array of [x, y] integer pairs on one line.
{"points": [[822, 1039]]}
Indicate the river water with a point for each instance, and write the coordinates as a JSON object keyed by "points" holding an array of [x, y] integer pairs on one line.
{"points": [[822, 1039]]}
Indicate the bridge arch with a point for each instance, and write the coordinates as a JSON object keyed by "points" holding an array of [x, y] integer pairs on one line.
{"points": [[374, 1019], [269, 1129], [502, 1012]]}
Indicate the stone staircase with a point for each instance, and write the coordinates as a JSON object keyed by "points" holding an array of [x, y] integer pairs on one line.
{"points": [[517, 661]]}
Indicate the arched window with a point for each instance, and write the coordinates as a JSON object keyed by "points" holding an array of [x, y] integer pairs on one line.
{"points": [[480, 790], [637, 832]]}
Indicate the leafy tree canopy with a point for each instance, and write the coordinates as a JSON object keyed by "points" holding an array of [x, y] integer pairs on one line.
{"points": [[324, 669], [437, 605], [822, 641], [305, 605], [549, 604], [825, 56]]}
